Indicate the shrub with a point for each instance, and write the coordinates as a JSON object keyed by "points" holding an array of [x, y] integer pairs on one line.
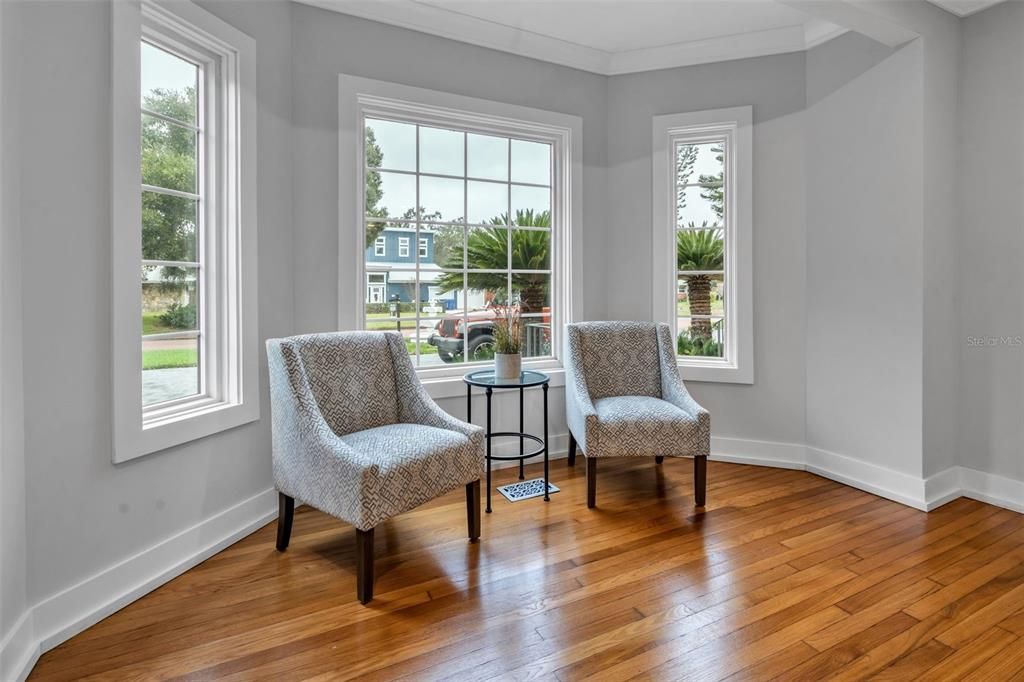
{"points": [[698, 345], [180, 316], [385, 308]]}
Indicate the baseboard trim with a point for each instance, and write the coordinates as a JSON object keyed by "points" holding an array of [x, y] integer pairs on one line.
{"points": [[65, 614], [19, 650], [924, 494], [977, 485]]}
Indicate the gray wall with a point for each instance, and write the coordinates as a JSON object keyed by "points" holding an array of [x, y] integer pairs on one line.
{"points": [[85, 513], [864, 252], [13, 582], [772, 408], [991, 241]]}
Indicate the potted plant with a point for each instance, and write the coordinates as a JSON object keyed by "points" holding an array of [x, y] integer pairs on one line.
{"points": [[508, 342]]}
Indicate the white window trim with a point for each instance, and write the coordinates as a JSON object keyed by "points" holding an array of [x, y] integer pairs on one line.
{"points": [[424, 249], [403, 247], [380, 246], [232, 399], [358, 97], [736, 124]]}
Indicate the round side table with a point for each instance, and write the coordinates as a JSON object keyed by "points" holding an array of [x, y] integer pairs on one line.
{"points": [[485, 379]]}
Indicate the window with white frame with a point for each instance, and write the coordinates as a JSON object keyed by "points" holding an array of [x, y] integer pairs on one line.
{"points": [[490, 201], [185, 344], [702, 213], [380, 247], [403, 247]]}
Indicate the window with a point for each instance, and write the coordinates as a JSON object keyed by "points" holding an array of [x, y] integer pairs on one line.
{"points": [[380, 247], [403, 247], [490, 194], [702, 214], [185, 344]]}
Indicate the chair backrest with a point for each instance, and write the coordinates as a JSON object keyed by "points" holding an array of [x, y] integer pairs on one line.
{"points": [[617, 358], [352, 378]]}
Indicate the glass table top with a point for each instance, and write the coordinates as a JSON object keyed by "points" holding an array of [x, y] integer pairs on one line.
{"points": [[485, 378]]}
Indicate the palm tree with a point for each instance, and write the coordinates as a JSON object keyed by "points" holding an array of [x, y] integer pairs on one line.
{"points": [[699, 249], [488, 249]]}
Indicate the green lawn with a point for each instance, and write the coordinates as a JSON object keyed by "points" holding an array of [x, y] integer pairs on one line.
{"points": [[164, 359], [425, 348], [408, 322]]}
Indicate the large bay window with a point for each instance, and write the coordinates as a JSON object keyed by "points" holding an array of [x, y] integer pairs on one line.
{"points": [[184, 343], [486, 193], [702, 240]]}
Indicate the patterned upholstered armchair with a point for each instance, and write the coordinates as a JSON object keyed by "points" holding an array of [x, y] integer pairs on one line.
{"points": [[355, 435], [624, 398]]}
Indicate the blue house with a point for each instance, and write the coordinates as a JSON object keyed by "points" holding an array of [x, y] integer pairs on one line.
{"points": [[391, 268]]}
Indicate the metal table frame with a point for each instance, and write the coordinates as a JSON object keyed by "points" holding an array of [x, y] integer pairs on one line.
{"points": [[476, 379]]}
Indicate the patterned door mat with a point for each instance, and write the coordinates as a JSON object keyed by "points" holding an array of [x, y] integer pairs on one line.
{"points": [[524, 490]]}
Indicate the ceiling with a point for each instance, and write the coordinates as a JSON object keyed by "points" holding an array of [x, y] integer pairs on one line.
{"points": [[626, 36], [607, 36]]}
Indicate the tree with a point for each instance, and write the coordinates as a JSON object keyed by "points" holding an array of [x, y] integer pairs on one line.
{"points": [[488, 248], [699, 248], [169, 161], [374, 190]]}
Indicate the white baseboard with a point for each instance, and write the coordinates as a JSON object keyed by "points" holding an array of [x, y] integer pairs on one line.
{"points": [[63, 615], [977, 485], [758, 452], [872, 478], [19, 650], [924, 494]]}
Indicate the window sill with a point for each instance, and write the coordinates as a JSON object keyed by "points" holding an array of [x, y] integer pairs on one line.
{"points": [[715, 372], [171, 431]]}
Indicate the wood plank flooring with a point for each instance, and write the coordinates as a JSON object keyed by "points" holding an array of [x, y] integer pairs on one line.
{"points": [[784, 575]]}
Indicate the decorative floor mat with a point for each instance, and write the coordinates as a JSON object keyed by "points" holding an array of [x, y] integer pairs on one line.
{"points": [[524, 490]]}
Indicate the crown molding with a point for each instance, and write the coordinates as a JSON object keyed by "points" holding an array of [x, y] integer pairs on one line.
{"points": [[964, 8], [467, 29]]}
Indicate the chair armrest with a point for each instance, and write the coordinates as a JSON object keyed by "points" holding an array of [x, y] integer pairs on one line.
{"points": [[579, 409], [415, 406]]}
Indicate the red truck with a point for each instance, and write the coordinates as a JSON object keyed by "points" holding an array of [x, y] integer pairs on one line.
{"points": [[478, 330]]}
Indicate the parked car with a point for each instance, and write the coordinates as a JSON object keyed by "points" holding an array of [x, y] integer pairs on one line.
{"points": [[478, 330]]}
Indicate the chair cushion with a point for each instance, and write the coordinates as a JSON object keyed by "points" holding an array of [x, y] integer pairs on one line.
{"points": [[642, 426], [405, 465]]}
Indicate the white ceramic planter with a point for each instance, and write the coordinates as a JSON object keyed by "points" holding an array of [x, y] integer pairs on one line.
{"points": [[508, 365]]}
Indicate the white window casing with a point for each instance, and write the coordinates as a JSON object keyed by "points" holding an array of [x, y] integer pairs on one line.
{"points": [[734, 127], [361, 98], [229, 351], [403, 247]]}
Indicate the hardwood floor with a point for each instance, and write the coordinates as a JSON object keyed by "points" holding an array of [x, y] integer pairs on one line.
{"points": [[784, 575]]}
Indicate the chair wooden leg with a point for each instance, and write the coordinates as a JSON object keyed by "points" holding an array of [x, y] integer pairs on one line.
{"points": [[658, 459], [473, 509], [700, 480], [591, 482], [572, 450], [364, 565], [285, 514]]}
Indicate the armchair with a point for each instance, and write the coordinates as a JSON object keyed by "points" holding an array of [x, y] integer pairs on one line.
{"points": [[355, 435], [624, 398]]}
